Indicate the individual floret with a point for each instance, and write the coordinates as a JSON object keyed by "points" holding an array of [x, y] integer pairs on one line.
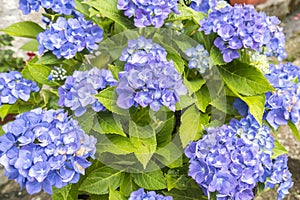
{"points": [[149, 78], [241, 27], [13, 87], [66, 37], [198, 58], [140, 194], [41, 149], [79, 89], [149, 12]]}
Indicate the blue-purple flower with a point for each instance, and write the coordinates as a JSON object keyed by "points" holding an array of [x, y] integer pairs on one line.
{"points": [[66, 37], [148, 12], [140, 194], [241, 27], [41, 149], [79, 89], [59, 6], [149, 78], [198, 58], [232, 159], [13, 87]]}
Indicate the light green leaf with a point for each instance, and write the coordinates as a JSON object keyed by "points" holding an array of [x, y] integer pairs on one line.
{"points": [[184, 102], [140, 116], [115, 195], [144, 140], [154, 180], [4, 110], [40, 73], [192, 122], [127, 185], [224, 104], [108, 8], [176, 180], [278, 149], [26, 29], [244, 79], [188, 13], [164, 132], [100, 180], [170, 155], [86, 121], [193, 86], [202, 98], [216, 56], [115, 144], [69, 192], [49, 59], [108, 123], [108, 98], [32, 45], [294, 130]]}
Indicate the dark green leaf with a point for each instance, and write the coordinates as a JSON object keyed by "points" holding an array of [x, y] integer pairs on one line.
{"points": [[127, 185], [140, 116], [189, 194], [26, 29], [100, 180], [244, 79], [164, 132], [154, 180], [176, 180]]}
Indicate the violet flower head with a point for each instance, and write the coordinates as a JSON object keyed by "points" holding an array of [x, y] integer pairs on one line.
{"points": [[149, 78], [41, 149], [140, 194], [59, 6], [241, 26], [66, 37], [13, 87], [148, 12], [283, 105], [232, 159], [198, 58], [79, 89]]}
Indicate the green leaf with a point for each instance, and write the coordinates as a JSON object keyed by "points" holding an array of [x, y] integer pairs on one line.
{"points": [[216, 56], [170, 155], [115, 144], [144, 140], [176, 180], [108, 98], [256, 106], [49, 59], [188, 13], [128, 185], [244, 79], [108, 123], [225, 104], [164, 132], [108, 8], [86, 121], [100, 180], [184, 102], [192, 122], [32, 45], [153, 180], [203, 98], [260, 188], [188, 194], [69, 192], [4, 110], [115, 195], [193, 86], [278, 149], [40, 73], [140, 116], [294, 130], [26, 29]]}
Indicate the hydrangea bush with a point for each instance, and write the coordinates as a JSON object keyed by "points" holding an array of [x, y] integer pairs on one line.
{"points": [[149, 100]]}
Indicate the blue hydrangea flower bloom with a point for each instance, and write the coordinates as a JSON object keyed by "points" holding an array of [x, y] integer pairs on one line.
{"points": [[79, 90], [283, 104], [140, 194], [41, 149], [13, 87], [232, 159], [240, 27], [203, 5], [148, 12], [198, 58], [149, 78], [59, 6], [57, 74], [65, 37]]}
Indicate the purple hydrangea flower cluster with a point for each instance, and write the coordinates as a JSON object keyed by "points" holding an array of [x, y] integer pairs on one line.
{"points": [[243, 27], [41, 149], [59, 6], [79, 90], [148, 12], [140, 194], [198, 58], [67, 37], [57, 74], [283, 104], [13, 87], [149, 78], [281, 175], [232, 159]]}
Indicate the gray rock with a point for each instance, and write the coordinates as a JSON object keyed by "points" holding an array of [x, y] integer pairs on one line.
{"points": [[279, 8]]}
